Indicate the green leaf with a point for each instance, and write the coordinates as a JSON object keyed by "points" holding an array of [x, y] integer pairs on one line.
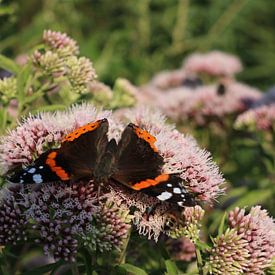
{"points": [[252, 198], [21, 82], [43, 269], [8, 64], [50, 108], [171, 268], [221, 227], [134, 270], [202, 246]]}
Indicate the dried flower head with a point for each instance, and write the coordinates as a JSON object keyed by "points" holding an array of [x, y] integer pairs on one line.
{"points": [[57, 40], [261, 118], [229, 254], [214, 63], [258, 230]]}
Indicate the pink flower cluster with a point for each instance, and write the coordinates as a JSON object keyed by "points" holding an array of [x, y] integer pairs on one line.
{"points": [[58, 40], [260, 118], [214, 63], [206, 103], [181, 155], [258, 230]]}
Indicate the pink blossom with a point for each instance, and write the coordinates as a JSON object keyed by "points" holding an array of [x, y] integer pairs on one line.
{"points": [[34, 135], [214, 63], [258, 229], [260, 118], [207, 104], [181, 154]]}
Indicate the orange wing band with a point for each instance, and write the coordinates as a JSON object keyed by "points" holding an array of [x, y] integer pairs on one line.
{"points": [[143, 134], [60, 172], [82, 130], [150, 182]]}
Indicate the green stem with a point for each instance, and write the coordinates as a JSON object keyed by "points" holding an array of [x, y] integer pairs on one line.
{"points": [[122, 256], [75, 269], [199, 261]]}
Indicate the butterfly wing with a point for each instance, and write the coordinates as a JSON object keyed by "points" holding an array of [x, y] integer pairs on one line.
{"points": [[75, 159], [139, 166]]}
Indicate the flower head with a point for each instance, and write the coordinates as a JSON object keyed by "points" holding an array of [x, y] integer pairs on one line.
{"points": [[214, 63], [208, 104], [57, 40], [79, 72], [8, 87], [181, 155], [181, 249], [62, 217], [229, 254], [258, 230], [259, 118]]}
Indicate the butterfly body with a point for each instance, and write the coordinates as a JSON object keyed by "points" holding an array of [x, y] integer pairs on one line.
{"points": [[134, 161]]}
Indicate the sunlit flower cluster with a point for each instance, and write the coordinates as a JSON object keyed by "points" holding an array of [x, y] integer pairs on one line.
{"points": [[60, 58], [247, 246], [260, 118], [181, 155], [214, 63]]}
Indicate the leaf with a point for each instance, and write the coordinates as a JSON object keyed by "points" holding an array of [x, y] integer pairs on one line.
{"points": [[221, 226], [202, 246], [21, 82], [252, 198], [43, 269], [171, 268], [49, 108], [134, 270], [8, 64]]}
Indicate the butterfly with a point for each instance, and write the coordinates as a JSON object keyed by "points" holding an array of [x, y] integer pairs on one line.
{"points": [[86, 152]]}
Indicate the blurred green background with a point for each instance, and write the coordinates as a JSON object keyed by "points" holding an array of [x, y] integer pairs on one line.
{"points": [[135, 39]]}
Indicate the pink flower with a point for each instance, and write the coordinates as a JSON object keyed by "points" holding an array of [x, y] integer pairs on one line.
{"points": [[260, 118], [258, 230], [57, 40], [229, 254], [181, 154], [214, 63], [36, 134], [61, 218], [181, 249], [207, 103]]}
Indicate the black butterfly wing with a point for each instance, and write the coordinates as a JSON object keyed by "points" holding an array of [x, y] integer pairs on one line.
{"points": [[137, 157], [139, 166], [75, 159]]}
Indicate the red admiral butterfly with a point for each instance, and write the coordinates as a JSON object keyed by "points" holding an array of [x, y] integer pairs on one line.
{"points": [[86, 153]]}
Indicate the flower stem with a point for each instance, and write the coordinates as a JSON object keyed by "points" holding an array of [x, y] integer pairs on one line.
{"points": [[122, 256], [75, 270], [199, 261]]}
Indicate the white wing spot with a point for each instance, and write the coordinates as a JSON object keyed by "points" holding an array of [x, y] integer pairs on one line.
{"points": [[31, 170], [180, 203], [21, 181], [41, 167], [182, 195], [176, 190], [164, 196], [37, 178], [169, 185]]}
